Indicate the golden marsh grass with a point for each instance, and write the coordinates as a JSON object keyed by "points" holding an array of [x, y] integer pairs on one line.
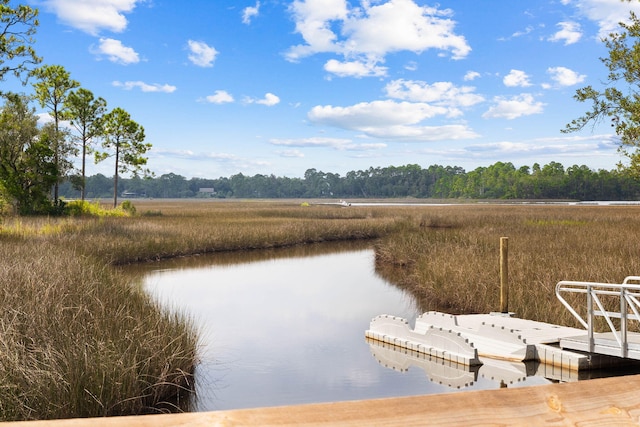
{"points": [[77, 339]]}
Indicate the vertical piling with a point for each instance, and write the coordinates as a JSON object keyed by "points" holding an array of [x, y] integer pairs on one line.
{"points": [[504, 274]]}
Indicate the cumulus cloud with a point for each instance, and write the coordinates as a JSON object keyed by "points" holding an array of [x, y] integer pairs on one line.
{"points": [[145, 87], [250, 12], [91, 16], [354, 68], [371, 31], [201, 54], [220, 97], [607, 14], [115, 51], [516, 78], [563, 76], [514, 107], [570, 32], [471, 75], [269, 100], [440, 93], [390, 119]]}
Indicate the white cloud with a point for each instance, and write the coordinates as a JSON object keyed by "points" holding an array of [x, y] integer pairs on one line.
{"points": [[145, 87], [269, 100], [471, 75], [514, 107], [220, 97], [390, 119], [91, 16], [524, 32], [569, 32], [115, 51], [291, 153], [250, 12], [516, 78], [439, 93], [593, 145], [339, 144], [201, 54], [607, 13], [354, 69], [369, 32], [565, 77]]}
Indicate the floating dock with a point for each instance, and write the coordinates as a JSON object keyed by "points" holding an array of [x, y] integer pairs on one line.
{"points": [[472, 339]]}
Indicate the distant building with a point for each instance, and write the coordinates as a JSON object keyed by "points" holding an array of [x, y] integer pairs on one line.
{"points": [[132, 194], [206, 192]]}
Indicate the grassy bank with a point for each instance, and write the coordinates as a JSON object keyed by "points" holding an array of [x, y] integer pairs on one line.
{"points": [[449, 256], [75, 340], [78, 340]]}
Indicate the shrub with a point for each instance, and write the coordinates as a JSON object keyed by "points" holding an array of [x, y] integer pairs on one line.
{"points": [[84, 208], [128, 207]]}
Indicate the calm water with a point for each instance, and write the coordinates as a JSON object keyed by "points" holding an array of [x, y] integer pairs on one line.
{"points": [[287, 327]]}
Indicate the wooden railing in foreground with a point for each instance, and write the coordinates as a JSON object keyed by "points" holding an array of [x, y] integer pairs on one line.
{"points": [[601, 402]]}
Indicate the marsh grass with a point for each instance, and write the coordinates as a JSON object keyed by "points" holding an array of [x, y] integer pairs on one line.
{"points": [[78, 340], [456, 268]]}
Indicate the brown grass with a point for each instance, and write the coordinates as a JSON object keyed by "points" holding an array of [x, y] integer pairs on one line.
{"points": [[77, 339], [449, 258]]}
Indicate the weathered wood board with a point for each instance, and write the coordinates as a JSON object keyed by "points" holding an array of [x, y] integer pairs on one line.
{"points": [[601, 402]]}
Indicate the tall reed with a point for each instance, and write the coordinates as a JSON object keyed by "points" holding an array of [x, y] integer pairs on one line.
{"points": [[449, 256], [78, 341]]}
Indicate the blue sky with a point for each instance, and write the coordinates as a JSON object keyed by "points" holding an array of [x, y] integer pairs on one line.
{"points": [[280, 86]]}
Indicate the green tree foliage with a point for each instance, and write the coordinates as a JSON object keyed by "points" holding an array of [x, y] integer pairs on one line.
{"points": [[51, 90], [27, 167], [17, 27], [619, 102], [498, 181], [123, 139], [84, 112]]}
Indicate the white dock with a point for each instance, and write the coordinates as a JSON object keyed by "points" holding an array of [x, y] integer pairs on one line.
{"points": [[472, 339]]}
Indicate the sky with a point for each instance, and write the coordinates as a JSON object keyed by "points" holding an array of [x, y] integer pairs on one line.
{"points": [[223, 87]]}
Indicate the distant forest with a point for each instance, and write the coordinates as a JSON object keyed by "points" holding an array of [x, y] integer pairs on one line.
{"points": [[498, 181]]}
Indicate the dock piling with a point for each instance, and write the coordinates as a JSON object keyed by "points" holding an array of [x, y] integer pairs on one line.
{"points": [[504, 274]]}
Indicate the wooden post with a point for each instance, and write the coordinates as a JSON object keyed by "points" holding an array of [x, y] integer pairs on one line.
{"points": [[504, 274]]}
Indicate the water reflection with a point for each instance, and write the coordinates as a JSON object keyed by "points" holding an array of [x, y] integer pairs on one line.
{"points": [[287, 326]]}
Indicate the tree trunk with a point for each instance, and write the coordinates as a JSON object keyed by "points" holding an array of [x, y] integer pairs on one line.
{"points": [[115, 178]]}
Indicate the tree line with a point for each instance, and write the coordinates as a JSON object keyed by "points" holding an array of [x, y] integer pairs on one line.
{"points": [[35, 158], [498, 181]]}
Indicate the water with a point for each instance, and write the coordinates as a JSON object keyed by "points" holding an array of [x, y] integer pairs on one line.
{"points": [[287, 327]]}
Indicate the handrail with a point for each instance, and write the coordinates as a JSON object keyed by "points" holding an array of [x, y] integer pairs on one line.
{"points": [[629, 299]]}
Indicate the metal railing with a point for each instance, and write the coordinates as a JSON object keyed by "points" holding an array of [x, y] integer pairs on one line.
{"points": [[628, 294]]}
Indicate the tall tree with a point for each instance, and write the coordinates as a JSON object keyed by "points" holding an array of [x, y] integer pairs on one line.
{"points": [[124, 138], [17, 27], [52, 88], [27, 169], [85, 112], [619, 102]]}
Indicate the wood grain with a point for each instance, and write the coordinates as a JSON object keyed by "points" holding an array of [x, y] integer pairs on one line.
{"points": [[599, 402]]}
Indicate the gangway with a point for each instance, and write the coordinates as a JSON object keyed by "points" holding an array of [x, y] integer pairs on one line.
{"points": [[615, 303]]}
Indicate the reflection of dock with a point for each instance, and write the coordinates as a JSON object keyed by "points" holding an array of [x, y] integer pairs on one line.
{"points": [[459, 376]]}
